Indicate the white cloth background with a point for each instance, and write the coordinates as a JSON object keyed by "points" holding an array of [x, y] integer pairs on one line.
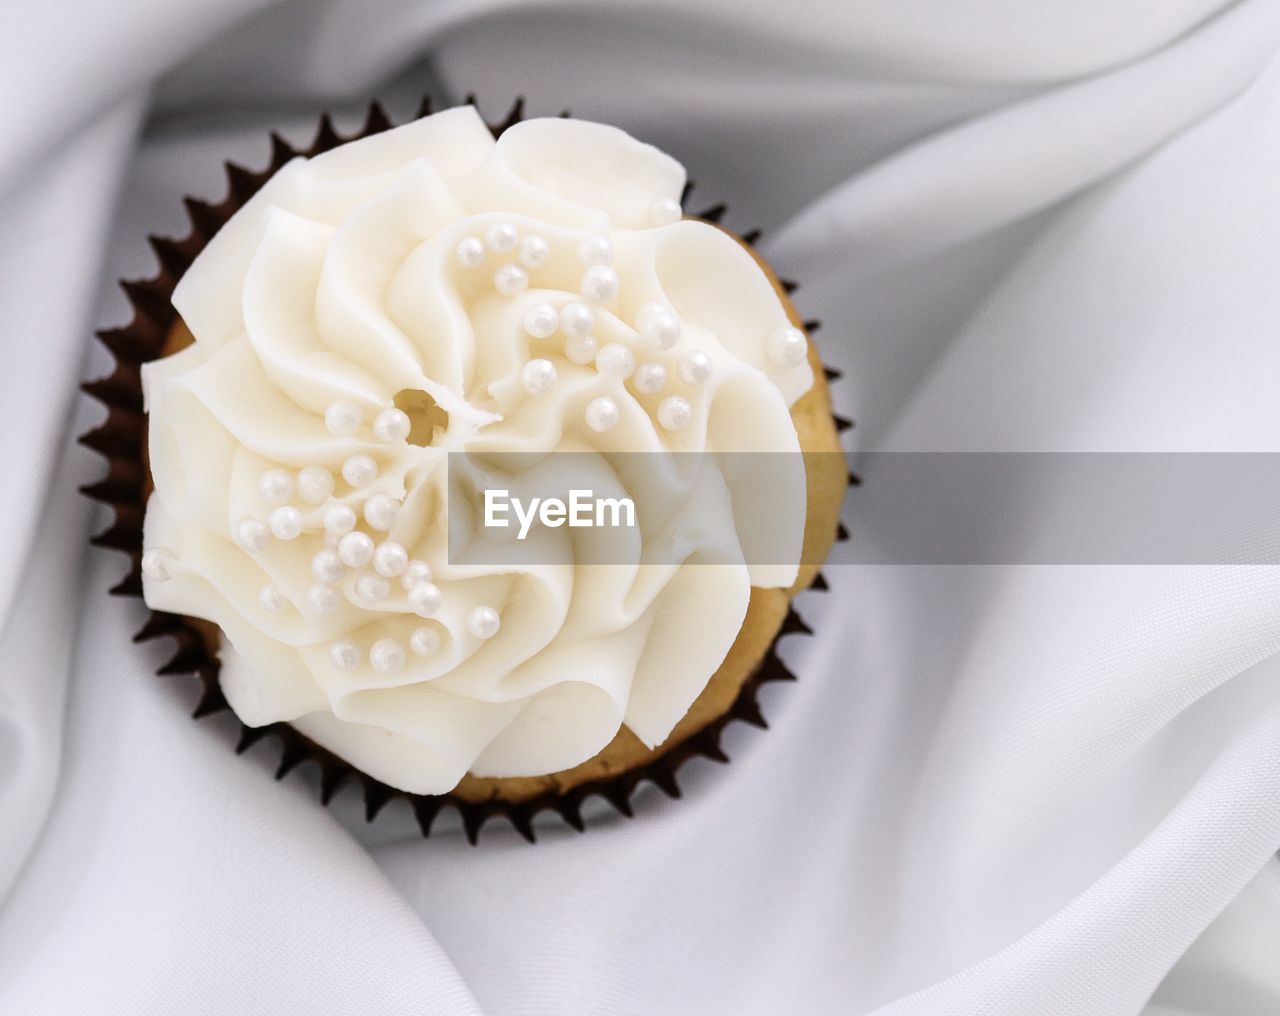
{"points": [[997, 790]]}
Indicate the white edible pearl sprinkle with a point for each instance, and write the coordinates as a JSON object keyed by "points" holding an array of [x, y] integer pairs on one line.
{"points": [[323, 599], [595, 250], [510, 280], [469, 252], [649, 378], [537, 377], [533, 251], [342, 418], [391, 425], [339, 519], [599, 284], [387, 656], [372, 588], [359, 470], [424, 599], [581, 349], [425, 641], [616, 359], [665, 211], [786, 346], [315, 484], [275, 486], [155, 565], [390, 559], [694, 367], [380, 512], [501, 237], [286, 523], [415, 573], [344, 654], [674, 412], [541, 320], [271, 600], [327, 567], [252, 535], [576, 319], [602, 414], [355, 549], [658, 325], [483, 622]]}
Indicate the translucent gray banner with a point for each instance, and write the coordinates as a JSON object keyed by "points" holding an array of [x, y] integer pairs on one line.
{"points": [[1064, 508], [905, 508]]}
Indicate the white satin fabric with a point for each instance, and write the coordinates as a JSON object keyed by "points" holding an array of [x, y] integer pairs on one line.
{"points": [[999, 790]]}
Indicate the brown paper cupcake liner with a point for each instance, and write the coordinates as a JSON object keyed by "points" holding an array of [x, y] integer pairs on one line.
{"points": [[121, 440]]}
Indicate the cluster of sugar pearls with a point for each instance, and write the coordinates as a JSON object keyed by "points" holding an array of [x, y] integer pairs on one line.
{"points": [[345, 545], [511, 278], [658, 327], [657, 324]]}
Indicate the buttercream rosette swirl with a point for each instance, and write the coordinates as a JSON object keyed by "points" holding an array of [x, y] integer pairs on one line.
{"points": [[369, 316]]}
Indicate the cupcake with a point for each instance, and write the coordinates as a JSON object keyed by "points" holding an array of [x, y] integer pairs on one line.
{"points": [[344, 362]]}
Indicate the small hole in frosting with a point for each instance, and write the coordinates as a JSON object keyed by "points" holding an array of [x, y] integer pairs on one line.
{"points": [[425, 417]]}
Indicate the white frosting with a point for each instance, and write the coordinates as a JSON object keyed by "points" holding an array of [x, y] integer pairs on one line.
{"points": [[341, 281]]}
